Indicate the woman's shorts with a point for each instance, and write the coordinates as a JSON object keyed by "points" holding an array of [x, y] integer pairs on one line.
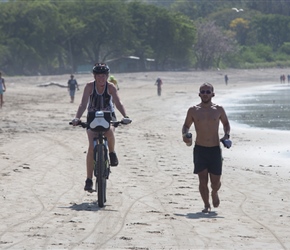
{"points": [[209, 158]]}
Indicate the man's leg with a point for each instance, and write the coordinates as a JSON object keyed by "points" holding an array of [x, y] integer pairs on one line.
{"points": [[203, 189], [215, 185]]}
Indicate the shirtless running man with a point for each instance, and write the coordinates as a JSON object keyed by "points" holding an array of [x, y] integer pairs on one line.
{"points": [[207, 156]]}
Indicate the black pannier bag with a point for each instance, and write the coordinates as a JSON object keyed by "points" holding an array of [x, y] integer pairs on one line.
{"points": [[99, 120]]}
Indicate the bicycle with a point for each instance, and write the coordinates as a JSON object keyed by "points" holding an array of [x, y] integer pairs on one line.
{"points": [[101, 160]]}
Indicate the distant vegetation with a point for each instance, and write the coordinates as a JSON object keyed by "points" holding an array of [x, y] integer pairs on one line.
{"points": [[53, 37]]}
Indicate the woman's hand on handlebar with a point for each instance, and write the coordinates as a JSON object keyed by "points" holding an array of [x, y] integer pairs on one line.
{"points": [[126, 120], [75, 121]]}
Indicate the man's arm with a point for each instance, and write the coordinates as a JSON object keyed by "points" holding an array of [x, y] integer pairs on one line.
{"points": [[226, 124], [187, 124]]}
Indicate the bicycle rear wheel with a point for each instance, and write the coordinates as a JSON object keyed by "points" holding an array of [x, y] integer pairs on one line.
{"points": [[101, 175]]}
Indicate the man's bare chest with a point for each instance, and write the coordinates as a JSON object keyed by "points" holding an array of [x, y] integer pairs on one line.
{"points": [[207, 115]]}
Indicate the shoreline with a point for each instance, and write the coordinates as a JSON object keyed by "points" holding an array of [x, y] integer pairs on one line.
{"points": [[265, 107]]}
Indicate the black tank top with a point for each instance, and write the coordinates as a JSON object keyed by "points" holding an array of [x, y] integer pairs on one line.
{"points": [[100, 102]]}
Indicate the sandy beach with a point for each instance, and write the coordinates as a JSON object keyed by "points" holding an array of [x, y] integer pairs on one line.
{"points": [[153, 200]]}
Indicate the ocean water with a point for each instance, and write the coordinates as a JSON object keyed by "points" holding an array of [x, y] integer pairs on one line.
{"points": [[263, 107]]}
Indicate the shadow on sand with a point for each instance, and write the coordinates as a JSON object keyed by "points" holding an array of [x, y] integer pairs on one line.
{"points": [[88, 206], [201, 215]]}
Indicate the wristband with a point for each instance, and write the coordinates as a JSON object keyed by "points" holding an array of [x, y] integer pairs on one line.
{"points": [[227, 136], [187, 135]]}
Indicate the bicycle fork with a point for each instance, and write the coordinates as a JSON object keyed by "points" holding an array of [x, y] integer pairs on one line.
{"points": [[104, 145], [107, 165]]}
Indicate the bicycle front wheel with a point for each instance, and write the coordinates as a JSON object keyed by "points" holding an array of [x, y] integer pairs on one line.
{"points": [[101, 175]]}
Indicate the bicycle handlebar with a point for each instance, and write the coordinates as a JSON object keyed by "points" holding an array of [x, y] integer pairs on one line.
{"points": [[114, 123], [80, 124]]}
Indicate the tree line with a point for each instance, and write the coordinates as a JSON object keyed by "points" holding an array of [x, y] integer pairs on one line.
{"points": [[53, 37], [50, 37]]}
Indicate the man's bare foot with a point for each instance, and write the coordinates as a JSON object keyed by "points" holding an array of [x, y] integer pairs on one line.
{"points": [[215, 199], [206, 210]]}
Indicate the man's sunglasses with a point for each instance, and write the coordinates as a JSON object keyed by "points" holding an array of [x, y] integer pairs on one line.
{"points": [[205, 92]]}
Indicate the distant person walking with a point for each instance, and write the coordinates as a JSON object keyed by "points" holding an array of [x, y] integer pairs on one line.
{"points": [[158, 83], [288, 77], [2, 89], [226, 79], [282, 78], [72, 86]]}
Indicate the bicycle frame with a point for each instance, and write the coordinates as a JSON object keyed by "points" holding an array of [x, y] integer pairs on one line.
{"points": [[101, 159], [101, 166]]}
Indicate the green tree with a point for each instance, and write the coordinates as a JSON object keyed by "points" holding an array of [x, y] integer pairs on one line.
{"points": [[101, 32], [143, 18], [285, 48], [240, 27], [166, 36], [271, 30], [196, 9], [30, 43], [281, 7]]}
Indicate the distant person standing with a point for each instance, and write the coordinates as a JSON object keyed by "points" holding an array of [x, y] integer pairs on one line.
{"points": [[2, 89], [72, 86], [226, 79], [113, 80], [288, 77], [158, 83], [282, 78]]}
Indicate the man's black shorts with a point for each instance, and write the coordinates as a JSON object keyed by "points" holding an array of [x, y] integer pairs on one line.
{"points": [[209, 158]]}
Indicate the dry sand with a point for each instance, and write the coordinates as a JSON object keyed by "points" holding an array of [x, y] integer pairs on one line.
{"points": [[153, 200]]}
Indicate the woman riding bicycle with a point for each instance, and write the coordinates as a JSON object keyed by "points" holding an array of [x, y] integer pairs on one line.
{"points": [[99, 95]]}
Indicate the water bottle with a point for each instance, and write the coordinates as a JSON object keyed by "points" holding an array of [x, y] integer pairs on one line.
{"points": [[189, 136], [227, 143]]}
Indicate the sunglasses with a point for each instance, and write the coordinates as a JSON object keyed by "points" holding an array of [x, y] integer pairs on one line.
{"points": [[205, 92]]}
